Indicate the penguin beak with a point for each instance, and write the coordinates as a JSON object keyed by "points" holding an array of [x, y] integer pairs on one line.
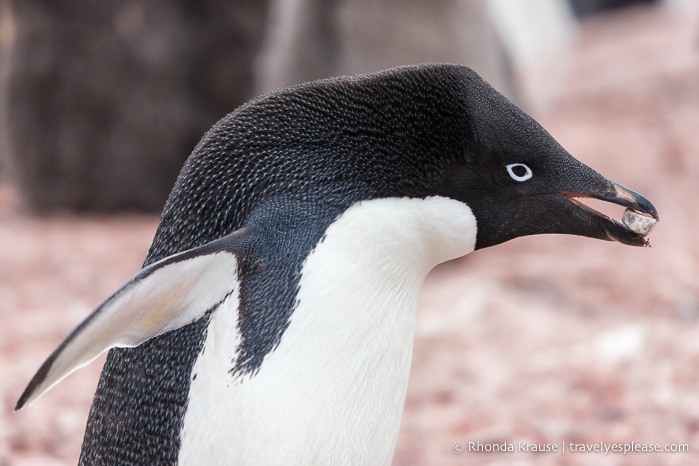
{"points": [[615, 230]]}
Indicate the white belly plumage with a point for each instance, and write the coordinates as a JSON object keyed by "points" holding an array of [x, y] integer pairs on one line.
{"points": [[332, 391]]}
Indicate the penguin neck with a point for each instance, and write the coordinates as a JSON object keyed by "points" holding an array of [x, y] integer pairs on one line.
{"points": [[333, 390]]}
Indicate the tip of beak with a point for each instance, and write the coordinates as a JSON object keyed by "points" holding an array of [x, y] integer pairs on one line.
{"points": [[635, 201]]}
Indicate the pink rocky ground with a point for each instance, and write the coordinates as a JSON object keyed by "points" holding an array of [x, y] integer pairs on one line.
{"points": [[547, 340]]}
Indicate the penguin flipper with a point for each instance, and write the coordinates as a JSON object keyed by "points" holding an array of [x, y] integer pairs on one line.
{"points": [[163, 296]]}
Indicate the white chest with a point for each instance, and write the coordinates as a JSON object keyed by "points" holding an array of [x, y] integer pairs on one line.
{"points": [[332, 392]]}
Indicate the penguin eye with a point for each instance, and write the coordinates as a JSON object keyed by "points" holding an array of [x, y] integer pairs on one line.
{"points": [[519, 171]]}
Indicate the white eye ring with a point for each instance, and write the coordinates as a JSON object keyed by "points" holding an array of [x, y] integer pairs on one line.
{"points": [[527, 174]]}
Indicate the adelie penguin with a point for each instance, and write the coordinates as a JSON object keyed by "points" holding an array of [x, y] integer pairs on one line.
{"points": [[273, 320]]}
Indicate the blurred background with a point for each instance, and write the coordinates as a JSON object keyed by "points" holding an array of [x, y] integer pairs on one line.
{"points": [[544, 339]]}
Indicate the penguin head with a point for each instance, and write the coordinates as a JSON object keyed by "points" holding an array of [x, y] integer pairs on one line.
{"points": [[415, 131]]}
